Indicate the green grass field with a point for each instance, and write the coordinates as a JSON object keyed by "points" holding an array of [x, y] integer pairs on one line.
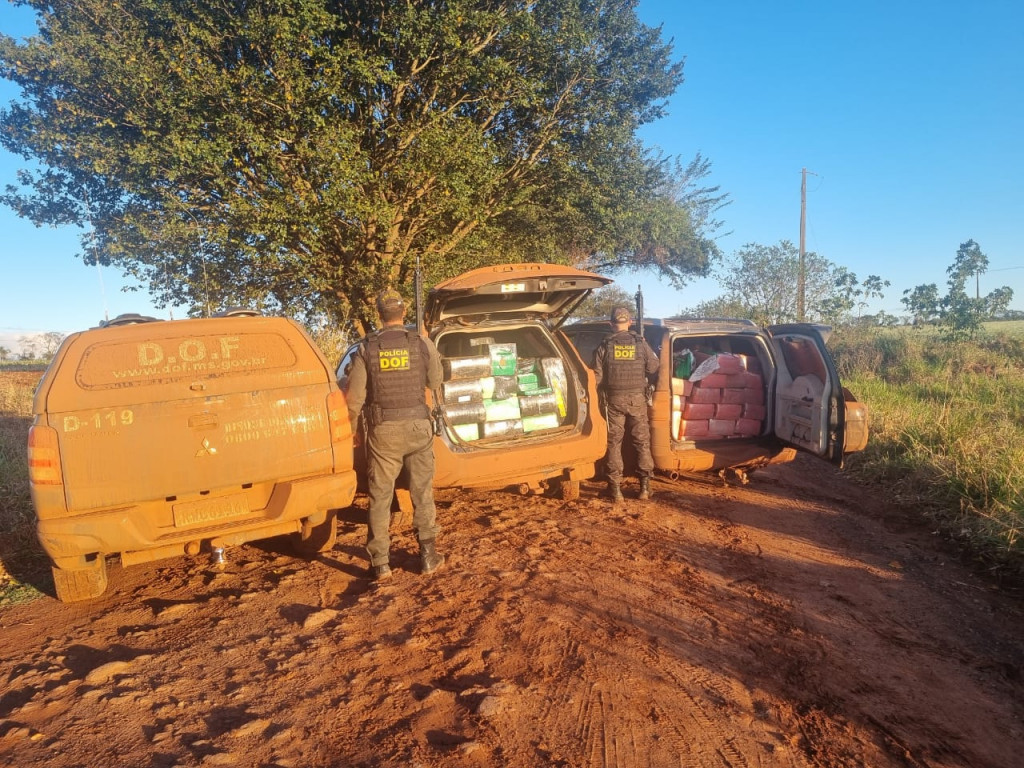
{"points": [[947, 431]]}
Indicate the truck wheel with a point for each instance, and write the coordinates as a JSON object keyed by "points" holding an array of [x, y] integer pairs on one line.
{"points": [[569, 490], [321, 537], [74, 585]]}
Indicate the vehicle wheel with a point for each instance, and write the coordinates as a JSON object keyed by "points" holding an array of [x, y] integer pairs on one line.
{"points": [[321, 538], [74, 585], [569, 490]]}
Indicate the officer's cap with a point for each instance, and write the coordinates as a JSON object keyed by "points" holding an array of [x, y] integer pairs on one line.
{"points": [[621, 315], [389, 299]]}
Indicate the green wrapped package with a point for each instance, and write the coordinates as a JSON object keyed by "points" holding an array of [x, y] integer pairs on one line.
{"points": [[466, 432], [502, 410], [527, 382], [534, 423], [503, 359]]}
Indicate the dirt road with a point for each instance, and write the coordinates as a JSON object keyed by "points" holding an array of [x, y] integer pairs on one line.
{"points": [[795, 621]]}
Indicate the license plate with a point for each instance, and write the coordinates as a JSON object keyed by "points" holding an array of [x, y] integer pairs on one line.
{"points": [[208, 510]]}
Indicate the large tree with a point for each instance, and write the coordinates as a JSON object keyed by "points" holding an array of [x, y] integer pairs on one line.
{"points": [[761, 284], [301, 154]]}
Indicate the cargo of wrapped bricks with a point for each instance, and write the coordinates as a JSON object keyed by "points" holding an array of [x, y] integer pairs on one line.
{"points": [[500, 395], [748, 427], [721, 427], [705, 395], [726, 400], [698, 410], [692, 428], [728, 411]]}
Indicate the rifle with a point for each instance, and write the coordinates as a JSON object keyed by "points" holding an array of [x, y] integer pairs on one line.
{"points": [[436, 414], [649, 391], [640, 311], [417, 287]]}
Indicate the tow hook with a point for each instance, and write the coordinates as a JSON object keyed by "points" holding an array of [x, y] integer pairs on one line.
{"points": [[217, 556]]}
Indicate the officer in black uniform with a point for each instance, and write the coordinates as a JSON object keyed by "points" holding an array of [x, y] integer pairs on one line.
{"points": [[623, 365], [389, 374]]}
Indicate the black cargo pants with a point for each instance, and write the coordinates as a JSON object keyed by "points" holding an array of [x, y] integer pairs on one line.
{"points": [[628, 410], [390, 446]]}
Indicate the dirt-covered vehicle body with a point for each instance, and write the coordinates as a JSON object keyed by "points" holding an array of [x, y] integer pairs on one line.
{"points": [[517, 406], [154, 439], [730, 394]]}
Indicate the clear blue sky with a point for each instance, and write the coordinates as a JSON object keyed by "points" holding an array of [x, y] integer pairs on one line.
{"points": [[910, 116]]}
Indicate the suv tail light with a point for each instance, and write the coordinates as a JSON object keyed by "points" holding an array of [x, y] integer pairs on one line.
{"points": [[44, 456], [337, 415]]}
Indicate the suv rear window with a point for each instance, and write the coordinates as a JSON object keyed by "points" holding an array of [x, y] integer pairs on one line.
{"points": [[117, 364]]}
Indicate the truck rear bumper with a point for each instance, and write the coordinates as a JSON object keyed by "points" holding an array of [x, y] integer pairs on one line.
{"points": [[151, 530]]}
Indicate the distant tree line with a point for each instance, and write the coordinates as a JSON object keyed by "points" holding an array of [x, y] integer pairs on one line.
{"points": [[761, 285], [37, 346]]}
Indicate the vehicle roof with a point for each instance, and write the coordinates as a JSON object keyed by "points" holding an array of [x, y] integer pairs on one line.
{"points": [[687, 324]]}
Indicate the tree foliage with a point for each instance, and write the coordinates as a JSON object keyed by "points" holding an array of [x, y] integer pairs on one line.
{"points": [[958, 313], [761, 284], [599, 304], [301, 154]]}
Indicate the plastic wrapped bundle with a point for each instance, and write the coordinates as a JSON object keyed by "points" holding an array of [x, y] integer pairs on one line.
{"points": [[503, 359], [538, 405], [466, 367], [465, 413], [534, 423], [526, 365], [463, 391], [554, 375], [528, 382], [502, 410], [506, 428], [504, 387], [466, 432]]}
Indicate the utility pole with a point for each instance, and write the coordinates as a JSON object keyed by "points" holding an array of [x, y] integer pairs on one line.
{"points": [[800, 283]]}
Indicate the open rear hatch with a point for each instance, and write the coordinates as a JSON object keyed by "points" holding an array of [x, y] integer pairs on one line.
{"points": [[507, 291], [506, 375]]}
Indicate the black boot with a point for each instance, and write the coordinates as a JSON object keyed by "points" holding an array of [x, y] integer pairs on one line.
{"points": [[615, 491], [380, 572], [430, 560], [645, 487]]}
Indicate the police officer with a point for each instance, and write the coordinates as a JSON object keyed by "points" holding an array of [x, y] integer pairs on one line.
{"points": [[389, 374], [623, 363]]}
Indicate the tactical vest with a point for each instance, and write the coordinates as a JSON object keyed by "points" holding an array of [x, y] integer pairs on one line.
{"points": [[625, 364], [398, 376]]}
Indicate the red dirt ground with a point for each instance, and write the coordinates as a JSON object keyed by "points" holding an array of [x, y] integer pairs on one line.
{"points": [[797, 621]]}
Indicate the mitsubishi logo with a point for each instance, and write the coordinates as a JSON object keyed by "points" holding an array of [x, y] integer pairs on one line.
{"points": [[206, 450]]}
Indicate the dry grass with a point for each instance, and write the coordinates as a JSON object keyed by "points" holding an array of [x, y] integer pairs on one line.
{"points": [[20, 553]]}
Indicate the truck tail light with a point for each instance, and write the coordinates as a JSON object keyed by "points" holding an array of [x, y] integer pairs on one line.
{"points": [[44, 456], [337, 414]]}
